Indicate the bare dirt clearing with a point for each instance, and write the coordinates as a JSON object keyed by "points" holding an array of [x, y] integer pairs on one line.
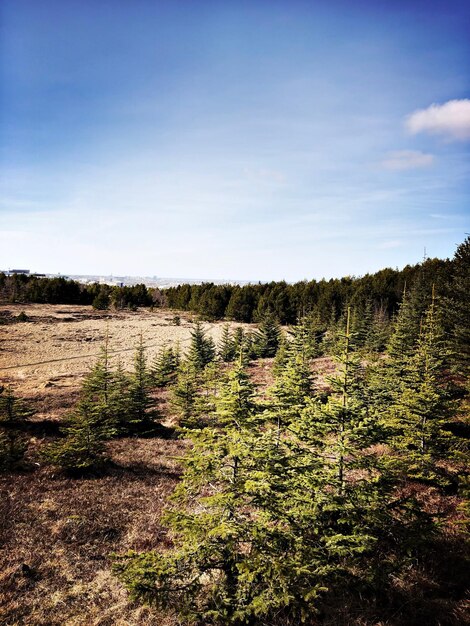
{"points": [[58, 343]]}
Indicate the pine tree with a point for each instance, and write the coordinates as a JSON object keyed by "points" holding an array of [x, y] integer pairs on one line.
{"points": [[290, 393], [243, 345], [202, 349], [361, 324], [234, 561], [346, 415], [405, 332], [101, 413], [184, 394], [226, 348], [165, 367], [142, 410], [282, 355], [399, 350], [267, 337], [120, 397], [102, 300], [335, 491], [376, 341], [12, 443], [236, 402], [306, 337], [261, 523], [208, 382], [333, 333], [83, 447], [12, 409], [458, 309], [422, 406], [100, 393]]}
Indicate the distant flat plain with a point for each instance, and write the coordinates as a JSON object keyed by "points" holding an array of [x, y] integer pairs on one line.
{"points": [[57, 345]]}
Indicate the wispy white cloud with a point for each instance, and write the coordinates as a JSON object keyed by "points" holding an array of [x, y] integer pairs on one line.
{"points": [[390, 245], [451, 119], [444, 216], [407, 160]]}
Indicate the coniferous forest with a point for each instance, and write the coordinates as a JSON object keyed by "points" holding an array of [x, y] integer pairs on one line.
{"points": [[302, 498], [235, 381], [377, 295]]}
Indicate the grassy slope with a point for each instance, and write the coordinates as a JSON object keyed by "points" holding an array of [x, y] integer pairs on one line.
{"points": [[63, 530]]}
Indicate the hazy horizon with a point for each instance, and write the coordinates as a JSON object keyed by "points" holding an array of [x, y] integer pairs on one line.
{"points": [[253, 141], [216, 279]]}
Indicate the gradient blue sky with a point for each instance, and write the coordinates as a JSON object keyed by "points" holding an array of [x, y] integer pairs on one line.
{"points": [[236, 139]]}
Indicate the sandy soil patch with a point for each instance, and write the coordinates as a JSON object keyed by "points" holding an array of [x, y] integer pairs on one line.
{"points": [[58, 343]]}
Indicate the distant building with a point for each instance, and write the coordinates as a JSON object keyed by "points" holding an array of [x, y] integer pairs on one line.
{"points": [[26, 272]]}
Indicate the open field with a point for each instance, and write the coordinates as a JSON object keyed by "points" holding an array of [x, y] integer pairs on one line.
{"points": [[58, 343], [46, 357], [57, 533]]}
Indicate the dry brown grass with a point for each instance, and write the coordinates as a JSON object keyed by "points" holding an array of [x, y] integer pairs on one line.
{"points": [[63, 530], [60, 333], [57, 532]]}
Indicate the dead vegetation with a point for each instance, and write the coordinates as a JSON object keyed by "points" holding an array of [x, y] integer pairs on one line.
{"points": [[57, 533], [57, 344]]}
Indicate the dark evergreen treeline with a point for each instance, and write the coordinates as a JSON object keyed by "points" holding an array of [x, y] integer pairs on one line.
{"points": [[33, 289], [300, 493], [376, 294], [381, 292]]}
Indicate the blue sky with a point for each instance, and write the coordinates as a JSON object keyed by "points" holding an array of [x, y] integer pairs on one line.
{"points": [[256, 140]]}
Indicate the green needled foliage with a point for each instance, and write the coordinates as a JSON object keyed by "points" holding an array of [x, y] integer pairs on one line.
{"points": [[233, 562], [142, 412], [96, 418], [236, 402], [290, 393], [12, 443], [184, 394], [343, 426], [83, 447], [405, 332], [385, 387], [266, 514], [243, 345], [307, 336], [266, 338], [336, 490], [202, 349], [423, 406], [361, 324], [100, 394], [282, 355], [376, 340], [165, 366], [205, 402], [226, 349], [280, 502], [120, 397], [102, 299], [12, 409], [457, 306]]}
